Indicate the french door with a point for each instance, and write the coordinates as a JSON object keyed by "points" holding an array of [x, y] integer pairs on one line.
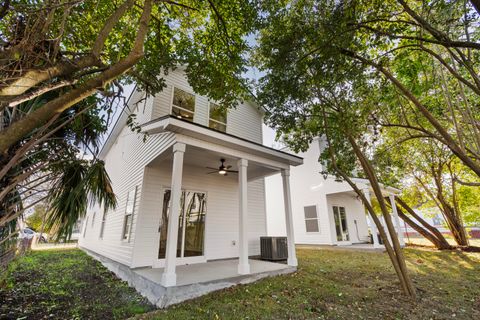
{"points": [[341, 226], [191, 227]]}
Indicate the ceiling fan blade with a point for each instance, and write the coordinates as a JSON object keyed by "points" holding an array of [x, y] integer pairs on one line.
{"points": [[228, 167], [212, 172], [216, 169], [233, 171]]}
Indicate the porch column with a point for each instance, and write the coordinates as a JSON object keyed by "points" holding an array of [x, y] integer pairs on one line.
{"points": [[292, 256], [169, 277], [397, 220], [376, 244], [243, 265]]}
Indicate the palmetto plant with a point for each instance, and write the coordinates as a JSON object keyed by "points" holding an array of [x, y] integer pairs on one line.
{"points": [[46, 167], [80, 184]]}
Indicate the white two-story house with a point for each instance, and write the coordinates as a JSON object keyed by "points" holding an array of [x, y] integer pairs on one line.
{"points": [[191, 194], [325, 211]]}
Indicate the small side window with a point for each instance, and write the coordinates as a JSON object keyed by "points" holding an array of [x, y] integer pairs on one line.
{"points": [[129, 209], [102, 226], [311, 219]]}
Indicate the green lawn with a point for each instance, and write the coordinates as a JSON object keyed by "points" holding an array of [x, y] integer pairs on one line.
{"points": [[328, 285], [65, 284]]}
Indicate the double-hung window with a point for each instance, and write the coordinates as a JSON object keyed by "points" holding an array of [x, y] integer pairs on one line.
{"points": [[311, 219], [129, 209], [218, 117], [183, 104]]}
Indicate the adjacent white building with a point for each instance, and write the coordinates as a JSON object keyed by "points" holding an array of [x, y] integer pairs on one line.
{"points": [[325, 211], [189, 192]]}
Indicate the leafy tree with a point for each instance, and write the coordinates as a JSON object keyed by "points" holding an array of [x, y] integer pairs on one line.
{"points": [[323, 94], [64, 66], [37, 218]]}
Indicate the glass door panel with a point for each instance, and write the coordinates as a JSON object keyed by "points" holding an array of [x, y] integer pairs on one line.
{"points": [[164, 224], [191, 224], [195, 210], [341, 227], [343, 219]]}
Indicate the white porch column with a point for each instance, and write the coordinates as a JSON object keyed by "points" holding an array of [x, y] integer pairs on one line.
{"points": [[397, 220], [169, 277], [376, 244], [243, 265], [292, 256]]}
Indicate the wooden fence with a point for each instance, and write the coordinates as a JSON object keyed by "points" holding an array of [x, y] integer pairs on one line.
{"points": [[12, 247]]}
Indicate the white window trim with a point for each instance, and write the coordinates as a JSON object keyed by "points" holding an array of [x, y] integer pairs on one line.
{"points": [[317, 218], [172, 94], [127, 239]]}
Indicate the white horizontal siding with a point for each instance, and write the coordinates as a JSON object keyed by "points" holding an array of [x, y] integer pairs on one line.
{"points": [[244, 121], [125, 164], [222, 212]]}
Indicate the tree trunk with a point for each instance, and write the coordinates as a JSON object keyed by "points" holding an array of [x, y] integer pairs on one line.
{"points": [[433, 234], [369, 171]]}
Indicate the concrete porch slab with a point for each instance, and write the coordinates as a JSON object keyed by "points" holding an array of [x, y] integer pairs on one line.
{"points": [[210, 271], [193, 280]]}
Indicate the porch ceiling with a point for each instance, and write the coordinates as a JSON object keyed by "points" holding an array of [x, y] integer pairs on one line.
{"points": [[196, 132], [203, 158]]}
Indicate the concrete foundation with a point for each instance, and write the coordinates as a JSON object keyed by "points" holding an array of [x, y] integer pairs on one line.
{"points": [[193, 280]]}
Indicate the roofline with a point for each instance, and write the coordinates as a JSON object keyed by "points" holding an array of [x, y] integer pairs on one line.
{"points": [[295, 160], [115, 126], [390, 189]]}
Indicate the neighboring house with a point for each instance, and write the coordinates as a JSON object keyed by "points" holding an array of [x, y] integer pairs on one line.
{"points": [[434, 217], [325, 211], [175, 208]]}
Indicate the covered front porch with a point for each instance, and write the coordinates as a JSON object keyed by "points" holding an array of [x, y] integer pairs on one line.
{"points": [[363, 215], [227, 232]]}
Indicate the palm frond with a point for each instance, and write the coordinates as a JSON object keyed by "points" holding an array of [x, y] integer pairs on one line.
{"points": [[81, 184]]}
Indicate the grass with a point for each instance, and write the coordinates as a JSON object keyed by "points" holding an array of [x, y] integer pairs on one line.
{"points": [[329, 284], [65, 284], [333, 284]]}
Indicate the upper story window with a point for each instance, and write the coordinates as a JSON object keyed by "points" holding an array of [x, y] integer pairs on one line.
{"points": [[218, 118], [183, 104]]}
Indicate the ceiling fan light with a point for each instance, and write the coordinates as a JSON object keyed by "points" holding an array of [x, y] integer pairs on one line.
{"points": [[222, 172]]}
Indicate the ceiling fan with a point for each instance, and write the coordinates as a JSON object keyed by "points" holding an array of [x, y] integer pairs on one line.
{"points": [[223, 170]]}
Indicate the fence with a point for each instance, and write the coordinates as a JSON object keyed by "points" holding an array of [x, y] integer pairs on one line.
{"points": [[12, 247]]}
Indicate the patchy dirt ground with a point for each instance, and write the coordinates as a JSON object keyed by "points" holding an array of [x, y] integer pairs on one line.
{"points": [[65, 284]]}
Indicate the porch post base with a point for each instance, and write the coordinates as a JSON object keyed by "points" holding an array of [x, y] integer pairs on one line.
{"points": [[244, 268], [292, 262], [169, 279]]}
